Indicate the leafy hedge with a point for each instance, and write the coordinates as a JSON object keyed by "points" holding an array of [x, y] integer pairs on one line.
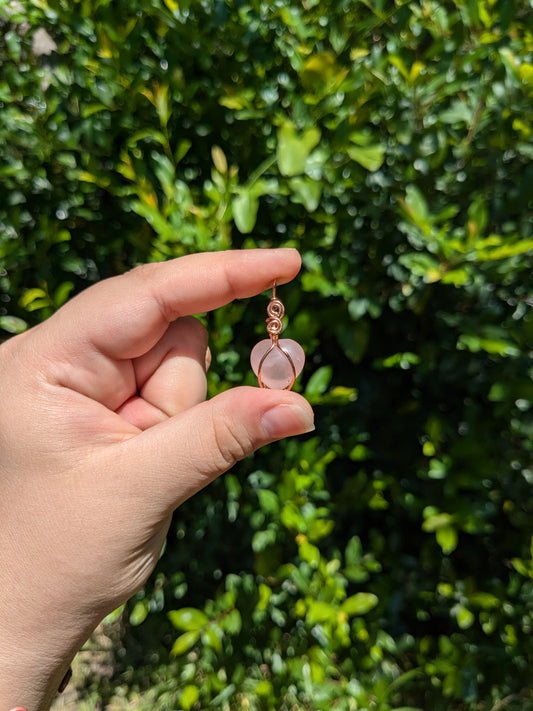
{"points": [[386, 561]]}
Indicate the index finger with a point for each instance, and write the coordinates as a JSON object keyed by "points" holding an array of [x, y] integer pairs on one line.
{"points": [[123, 317]]}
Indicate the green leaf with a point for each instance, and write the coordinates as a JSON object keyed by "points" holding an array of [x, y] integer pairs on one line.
{"points": [[264, 688], [469, 11], [340, 395], [184, 642], [263, 539], [505, 251], [188, 619], [438, 469], [189, 696], [31, 295], [14, 44], [318, 383], [139, 612], [321, 72], [62, 293], [478, 218], [182, 149], [447, 539], [307, 192], [522, 567], [485, 600], [465, 618], [294, 148], [320, 612], [359, 604], [13, 324], [457, 277], [219, 159], [416, 207], [165, 172], [147, 134], [162, 103], [458, 113], [309, 553], [211, 637], [421, 264], [354, 551], [320, 528], [224, 695], [265, 593], [398, 360], [291, 516], [154, 218], [494, 346], [436, 521], [268, 501], [370, 157], [354, 340], [398, 62], [245, 206], [232, 622]]}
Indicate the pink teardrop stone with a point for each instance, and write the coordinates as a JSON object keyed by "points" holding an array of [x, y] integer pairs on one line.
{"points": [[276, 370]]}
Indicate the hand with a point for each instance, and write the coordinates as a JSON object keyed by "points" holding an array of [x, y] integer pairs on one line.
{"points": [[104, 431]]}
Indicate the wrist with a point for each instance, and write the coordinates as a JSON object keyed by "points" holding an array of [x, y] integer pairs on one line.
{"points": [[37, 645], [35, 656], [29, 683], [39, 633]]}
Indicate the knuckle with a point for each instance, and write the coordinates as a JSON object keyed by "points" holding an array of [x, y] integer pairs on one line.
{"points": [[147, 277], [233, 442]]}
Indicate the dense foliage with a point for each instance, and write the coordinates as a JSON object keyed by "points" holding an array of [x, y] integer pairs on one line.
{"points": [[385, 562]]}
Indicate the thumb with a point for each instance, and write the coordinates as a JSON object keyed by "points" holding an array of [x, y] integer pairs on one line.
{"points": [[178, 457]]}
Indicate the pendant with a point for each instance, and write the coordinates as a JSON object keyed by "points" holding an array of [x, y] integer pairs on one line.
{"points": [[277, 362]]}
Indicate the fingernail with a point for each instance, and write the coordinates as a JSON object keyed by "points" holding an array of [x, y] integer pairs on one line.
{"points": [[286, 420]]}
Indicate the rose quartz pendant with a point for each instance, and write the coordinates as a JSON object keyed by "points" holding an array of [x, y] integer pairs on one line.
{"points": [[277, 362], [277, 366]]}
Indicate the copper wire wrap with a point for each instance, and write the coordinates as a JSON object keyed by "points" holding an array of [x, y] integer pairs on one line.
{"points": [[275, 311]]}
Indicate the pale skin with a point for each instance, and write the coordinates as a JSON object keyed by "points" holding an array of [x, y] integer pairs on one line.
{"points": [[104, 432]]}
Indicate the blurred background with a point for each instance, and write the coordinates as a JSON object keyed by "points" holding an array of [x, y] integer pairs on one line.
{"points": [[385, 561]]}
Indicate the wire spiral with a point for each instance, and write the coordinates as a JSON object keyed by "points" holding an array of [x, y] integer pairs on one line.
{"points": [[275, 311]]}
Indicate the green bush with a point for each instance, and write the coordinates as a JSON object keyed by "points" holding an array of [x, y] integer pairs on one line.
{"points": [[385, 562]]}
